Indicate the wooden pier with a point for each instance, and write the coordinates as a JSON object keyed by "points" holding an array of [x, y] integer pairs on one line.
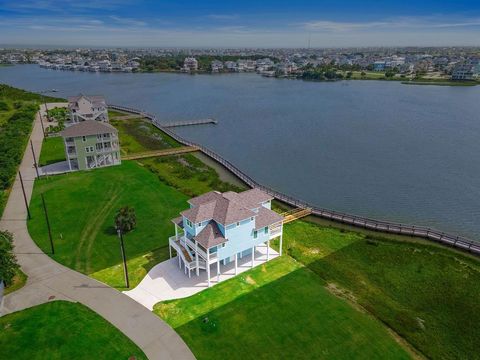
{"points": [[190, 123], [164, 152], [458, 242]]}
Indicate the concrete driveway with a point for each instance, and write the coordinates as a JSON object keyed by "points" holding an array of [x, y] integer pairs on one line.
{"points": [[167, 281]]}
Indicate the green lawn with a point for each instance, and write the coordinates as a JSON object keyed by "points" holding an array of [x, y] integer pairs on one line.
{"points": [[113, 113], [422, 291], [82, 206], [53, 151], [62, 330], [280, 310], [138, 135]]}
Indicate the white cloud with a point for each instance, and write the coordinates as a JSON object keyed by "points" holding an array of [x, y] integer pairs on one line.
{"points": [[127, 21], [431, 22], [222, 16]]}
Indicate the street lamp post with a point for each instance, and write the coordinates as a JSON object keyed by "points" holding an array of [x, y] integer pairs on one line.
{"points": [[124, 258]]}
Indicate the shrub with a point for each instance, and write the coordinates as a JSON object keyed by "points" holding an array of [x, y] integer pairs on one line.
{"points": [[8, 262], [4, 106]]}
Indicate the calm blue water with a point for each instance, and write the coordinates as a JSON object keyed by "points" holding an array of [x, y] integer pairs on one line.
{"points": [[381, 149]]}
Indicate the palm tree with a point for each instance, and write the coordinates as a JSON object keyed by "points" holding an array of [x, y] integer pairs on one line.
{"points": [[125, 219]]}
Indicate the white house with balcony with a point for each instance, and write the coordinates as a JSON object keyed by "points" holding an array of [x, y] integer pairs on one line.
{"points": [[83, 108], [220, 228]]}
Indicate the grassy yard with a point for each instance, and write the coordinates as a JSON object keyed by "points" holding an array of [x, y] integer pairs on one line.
{"points": [[62, 330], [280, 310], [82, 206], [138, 135], [424, 292], [53, 151]]}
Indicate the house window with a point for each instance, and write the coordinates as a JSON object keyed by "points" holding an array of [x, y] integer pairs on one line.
{"points": [[199, 224], [238, 224], [251, 219], [266, 230], [189, 223], [255, 234], [84, 138], [99, 136]]}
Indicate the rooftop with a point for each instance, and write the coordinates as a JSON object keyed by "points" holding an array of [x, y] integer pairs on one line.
{"points": [[96, 100], [88, 127], [226, 208]]}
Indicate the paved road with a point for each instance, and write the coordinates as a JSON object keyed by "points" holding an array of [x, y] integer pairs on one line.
{"points": [[48, 280]]}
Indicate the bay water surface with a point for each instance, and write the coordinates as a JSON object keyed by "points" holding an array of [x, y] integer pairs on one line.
{"points": [[375, 148]]}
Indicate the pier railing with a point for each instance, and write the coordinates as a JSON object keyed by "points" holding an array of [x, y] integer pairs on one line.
{"points": [[458, 242]]}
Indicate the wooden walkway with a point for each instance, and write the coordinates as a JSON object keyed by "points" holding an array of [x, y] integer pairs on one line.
{"points": [[295, 214], [164, 152], [456, 241], [190, 123]]}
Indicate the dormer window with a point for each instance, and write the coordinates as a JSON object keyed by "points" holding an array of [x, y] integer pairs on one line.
{"points": [[238, 224]]}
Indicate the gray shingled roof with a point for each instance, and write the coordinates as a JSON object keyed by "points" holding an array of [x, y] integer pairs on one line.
{"points": [[251, 199], [266, 217], [178, 221], [205, 198], [226, 208], [88, 127], [94, 99], [210, 236]]}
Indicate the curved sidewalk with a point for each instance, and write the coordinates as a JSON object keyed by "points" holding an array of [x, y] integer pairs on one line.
{"points": [[48, 280]]}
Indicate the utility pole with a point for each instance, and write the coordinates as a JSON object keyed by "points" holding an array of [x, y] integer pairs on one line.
{"points": [[34, 159], [48, 225], [41, 122], [124, 258], [24, 195], [46, 110]]}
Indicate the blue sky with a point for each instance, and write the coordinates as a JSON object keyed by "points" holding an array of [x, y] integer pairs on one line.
{"points": [[260, 23]]}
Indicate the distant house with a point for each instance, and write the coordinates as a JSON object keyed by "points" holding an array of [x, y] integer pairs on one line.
{"points": [[220, 227], [379, 65], [190, 64], [216, 66], [463, 72], [90, 144], [83, 107]]}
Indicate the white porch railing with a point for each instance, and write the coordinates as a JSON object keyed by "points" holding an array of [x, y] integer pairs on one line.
{"points": [[184, 240]]}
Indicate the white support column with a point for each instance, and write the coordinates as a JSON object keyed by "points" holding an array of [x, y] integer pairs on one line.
{"points": [[281, 243], [218, 270], [208, 267], [268, 249], [176, 231], [236, 263], [170, 250], [281, 238], [179, 261], [196, 258], [253, 255]]}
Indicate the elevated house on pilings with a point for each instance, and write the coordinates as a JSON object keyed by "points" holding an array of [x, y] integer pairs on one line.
{"points": [[218, 228], [83, 108]]}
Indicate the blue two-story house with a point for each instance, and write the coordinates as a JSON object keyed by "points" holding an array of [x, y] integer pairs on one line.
{"points": [[221, 227]]}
